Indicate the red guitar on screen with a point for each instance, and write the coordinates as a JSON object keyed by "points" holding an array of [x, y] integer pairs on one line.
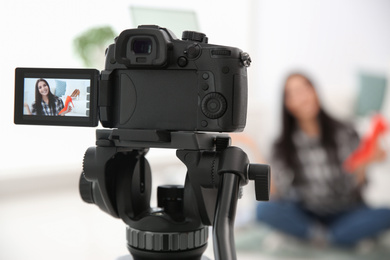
{"points": [[368, 146]]}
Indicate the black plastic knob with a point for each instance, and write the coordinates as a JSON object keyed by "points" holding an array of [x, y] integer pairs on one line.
{"points": [[86, 190], [221, 143], [170, 198], [194, 36], [261, 174]]}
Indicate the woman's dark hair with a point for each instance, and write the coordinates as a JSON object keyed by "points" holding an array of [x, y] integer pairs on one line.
{"points": [[284, 147], [38, 98]]}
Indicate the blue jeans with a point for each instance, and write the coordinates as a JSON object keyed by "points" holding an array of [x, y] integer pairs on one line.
{"points": [[344, 229]]}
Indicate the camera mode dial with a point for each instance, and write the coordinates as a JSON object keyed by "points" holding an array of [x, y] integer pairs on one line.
{"points": [[214, 105], [194, 36]]}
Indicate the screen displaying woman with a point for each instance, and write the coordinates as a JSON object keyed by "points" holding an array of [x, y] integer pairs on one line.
{"points": [[46, 103]]}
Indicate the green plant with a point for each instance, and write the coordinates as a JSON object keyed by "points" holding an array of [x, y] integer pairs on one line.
{"points": [[91, 44]]}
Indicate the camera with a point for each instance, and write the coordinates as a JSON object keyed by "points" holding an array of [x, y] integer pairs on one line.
{"points": [[156, 91], [151, 81]]}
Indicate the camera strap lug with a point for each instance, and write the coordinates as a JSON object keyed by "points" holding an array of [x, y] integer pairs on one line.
{"points": [[245, 59]]}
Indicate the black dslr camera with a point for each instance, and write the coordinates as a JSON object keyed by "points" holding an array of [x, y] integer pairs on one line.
{"points": [[156, 92], [152, 80]]}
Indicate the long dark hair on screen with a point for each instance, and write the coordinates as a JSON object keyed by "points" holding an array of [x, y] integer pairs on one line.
{"points": [[38, 98], [284, 148]]}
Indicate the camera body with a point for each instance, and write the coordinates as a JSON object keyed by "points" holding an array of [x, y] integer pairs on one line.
{"points": [[154, 81]]}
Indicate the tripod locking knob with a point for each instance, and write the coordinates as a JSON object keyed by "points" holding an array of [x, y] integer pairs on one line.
{"points": [[261, 174], [170, 197], [86, 190]]}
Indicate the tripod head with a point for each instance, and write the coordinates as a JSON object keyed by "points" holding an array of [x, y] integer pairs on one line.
{"points": [[117, 178]]}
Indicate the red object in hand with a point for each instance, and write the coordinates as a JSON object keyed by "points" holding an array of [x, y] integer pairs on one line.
{"points": [[367, 147], [68, 99]]}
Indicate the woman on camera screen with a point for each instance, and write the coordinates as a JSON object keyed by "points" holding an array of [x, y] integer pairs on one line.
{"points": [[46, 104]]}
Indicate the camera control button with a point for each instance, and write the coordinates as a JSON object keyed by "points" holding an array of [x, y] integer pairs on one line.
{"points": [[204, 123], [205, 76], [182, 61], [192, 51], [225, 70], [214, 105]]}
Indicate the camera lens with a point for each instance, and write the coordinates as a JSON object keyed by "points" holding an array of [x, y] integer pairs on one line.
{"points": [[142, 46]]}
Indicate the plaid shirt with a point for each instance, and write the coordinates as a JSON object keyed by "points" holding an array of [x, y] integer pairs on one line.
{"points": [[46, 110], [327, 188]]}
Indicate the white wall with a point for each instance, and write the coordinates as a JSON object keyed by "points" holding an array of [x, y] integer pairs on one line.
{"points": [[332, 40]]}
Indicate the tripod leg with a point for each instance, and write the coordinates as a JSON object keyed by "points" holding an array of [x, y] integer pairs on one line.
{"points": [[223, 227]]}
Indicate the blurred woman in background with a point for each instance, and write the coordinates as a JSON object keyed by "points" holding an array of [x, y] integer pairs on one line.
{"points": [[314, 198]]}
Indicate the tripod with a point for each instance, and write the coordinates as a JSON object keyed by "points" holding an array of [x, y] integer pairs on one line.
{"points": [[117, 178]]}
